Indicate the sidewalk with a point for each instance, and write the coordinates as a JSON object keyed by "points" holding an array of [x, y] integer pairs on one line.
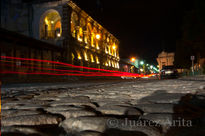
{"points": [[194, 78]]}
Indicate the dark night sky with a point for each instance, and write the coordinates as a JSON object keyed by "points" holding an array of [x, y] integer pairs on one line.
{"points": [[144, 27]]}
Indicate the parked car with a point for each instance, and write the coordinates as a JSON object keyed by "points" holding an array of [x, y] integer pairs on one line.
{"points": [[168, 72]]}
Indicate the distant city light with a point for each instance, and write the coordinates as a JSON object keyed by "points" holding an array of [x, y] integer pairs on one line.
{"points": [[141, 62], [59, 35], [113, 47], [132, 59], [98, 36], [79, 57]]}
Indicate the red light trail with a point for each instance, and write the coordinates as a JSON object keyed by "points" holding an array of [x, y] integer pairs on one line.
{"points": [[59, 72]]}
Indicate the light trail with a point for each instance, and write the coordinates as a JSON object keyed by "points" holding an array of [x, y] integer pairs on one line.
{"points": [[61, 72], [54, 62]]}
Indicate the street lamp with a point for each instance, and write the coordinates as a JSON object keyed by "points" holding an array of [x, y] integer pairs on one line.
{"points": [[113, 47], [133, 59], [141, 62], [98, 36]]}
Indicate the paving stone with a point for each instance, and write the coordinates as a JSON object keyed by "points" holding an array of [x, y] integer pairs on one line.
{"points": [[22, 130], [156, 108], [168, 98], [75, 103], [15, 112], [30, 106], [63, 108], [118, 110], [74, 113], [79, 124], [47, 98], [162, 119], [111, 102], [31, 120]]}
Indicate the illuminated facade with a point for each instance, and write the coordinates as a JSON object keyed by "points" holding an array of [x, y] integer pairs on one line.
{"points": [[62, 23], [165, 59]]}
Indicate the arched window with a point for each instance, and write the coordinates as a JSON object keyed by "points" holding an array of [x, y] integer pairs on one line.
{"points": [[89, 33], [98, 37], [50, 25], [85, 56], [97, 60], [80, 34], [92, 58], [74, 23], [81, 30], [93, 38]]}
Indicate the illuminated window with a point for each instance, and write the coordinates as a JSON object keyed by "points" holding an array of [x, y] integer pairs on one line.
{"points": [[106, 50], [93, 38], [113, 64], [86, 56], [50, 25], [81, 30], [108, 39], [109, 50], [109, 63], [79, 56], [97, 60], [106, 64], [89, 34], [80, 34], [74, 23], [92, 58]]}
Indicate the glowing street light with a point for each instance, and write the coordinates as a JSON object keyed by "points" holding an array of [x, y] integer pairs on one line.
{"points": [[113, 47], [98, 36], [58, 35], [133, 59], [141, 62], [151, 67]]}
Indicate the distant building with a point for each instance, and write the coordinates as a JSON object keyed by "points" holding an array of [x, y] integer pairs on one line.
{"points": [[127, 67], [63, 24], [202, 65], [165, 59]]}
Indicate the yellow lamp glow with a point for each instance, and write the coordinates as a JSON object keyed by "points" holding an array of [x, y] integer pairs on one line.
{"points": [[46, 21], [59, 35], [113, 47], [98, 36], [132, 59]]}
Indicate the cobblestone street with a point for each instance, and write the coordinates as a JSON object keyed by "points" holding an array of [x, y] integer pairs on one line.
{"points": [[122, 108]]}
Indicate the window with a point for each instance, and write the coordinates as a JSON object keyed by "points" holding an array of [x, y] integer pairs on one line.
{"points": [[74, 23], [50, 25]]}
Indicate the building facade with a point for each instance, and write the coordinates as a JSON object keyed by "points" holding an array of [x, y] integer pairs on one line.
{"points": [[62, 23], [165, 59]]}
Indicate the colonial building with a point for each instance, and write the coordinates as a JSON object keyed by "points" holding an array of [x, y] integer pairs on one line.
{"points": [[61, 23], [165, 59]]}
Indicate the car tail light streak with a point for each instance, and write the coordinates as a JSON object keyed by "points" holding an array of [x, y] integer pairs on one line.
{"points": [[29, 66]]}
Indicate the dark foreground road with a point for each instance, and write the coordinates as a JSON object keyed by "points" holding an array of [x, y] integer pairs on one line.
{"points": [[174, 107]]}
